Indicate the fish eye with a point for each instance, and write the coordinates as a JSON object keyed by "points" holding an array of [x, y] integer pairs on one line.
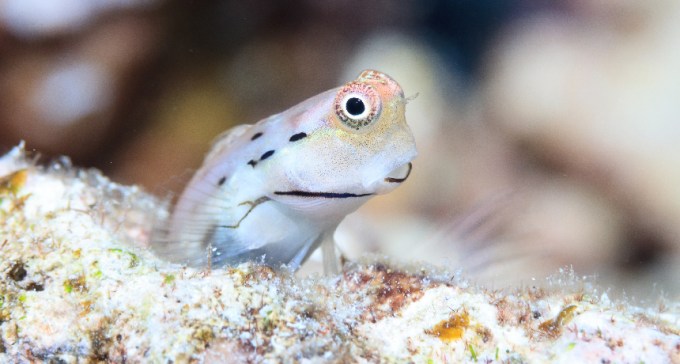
{"points": [[357, 105]]}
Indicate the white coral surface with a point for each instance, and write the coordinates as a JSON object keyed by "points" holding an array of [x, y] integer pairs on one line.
{"points": [[78, 283]]}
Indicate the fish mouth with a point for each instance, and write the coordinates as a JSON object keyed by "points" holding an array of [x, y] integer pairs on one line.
{"points": [[315, 194], [404, 170], [398, 175]]}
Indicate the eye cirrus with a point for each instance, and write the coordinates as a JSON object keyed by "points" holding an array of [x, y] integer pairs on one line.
{"points": [[357, 105]]}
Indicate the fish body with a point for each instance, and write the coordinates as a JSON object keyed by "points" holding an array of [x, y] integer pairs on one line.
{"points": [[273, 190]]}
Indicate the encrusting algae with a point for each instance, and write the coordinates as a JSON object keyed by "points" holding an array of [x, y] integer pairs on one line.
{"points": [[78, 283], [554, 327], [451, 329]]}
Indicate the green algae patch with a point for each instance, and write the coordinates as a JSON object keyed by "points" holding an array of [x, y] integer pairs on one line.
{"points": [[134, 259]]}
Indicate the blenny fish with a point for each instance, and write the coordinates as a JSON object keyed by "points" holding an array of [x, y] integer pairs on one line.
{"points": [[273, 191]]}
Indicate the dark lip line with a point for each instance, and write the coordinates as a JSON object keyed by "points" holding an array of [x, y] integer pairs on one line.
{"points": [[321, 194], [341, 194], [400, 180]]}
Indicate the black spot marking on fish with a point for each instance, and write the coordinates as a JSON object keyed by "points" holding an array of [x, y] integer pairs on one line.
{"points": [[264, 156], [222, 180], [257, 135], [267, 154], [298, 136]]}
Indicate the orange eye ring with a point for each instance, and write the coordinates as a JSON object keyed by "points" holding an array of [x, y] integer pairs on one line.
{"points": [[357, 105]]}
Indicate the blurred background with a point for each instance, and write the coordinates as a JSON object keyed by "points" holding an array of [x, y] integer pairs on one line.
{"points": [[548, 132]]}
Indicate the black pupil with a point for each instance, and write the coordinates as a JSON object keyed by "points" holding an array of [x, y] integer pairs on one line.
{"points": [[355, 106]]}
